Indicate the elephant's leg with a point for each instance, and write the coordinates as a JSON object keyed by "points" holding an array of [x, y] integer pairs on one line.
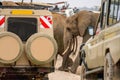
{"points": [[55, 61], [75, 64], [66, 61], [66, 58], [69, 62]]}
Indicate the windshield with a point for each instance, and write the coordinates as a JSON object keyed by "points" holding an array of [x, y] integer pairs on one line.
{"points": [[23, 27]]}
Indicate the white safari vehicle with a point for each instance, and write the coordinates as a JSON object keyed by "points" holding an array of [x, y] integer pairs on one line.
{"points": [[101, 53], [27, 45]]}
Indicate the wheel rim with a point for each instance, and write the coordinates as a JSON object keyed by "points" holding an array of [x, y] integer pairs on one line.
{"points": [[108, 68]]}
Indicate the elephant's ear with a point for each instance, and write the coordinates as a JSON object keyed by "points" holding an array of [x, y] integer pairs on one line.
{"points": [[83, 23], [95, 20]]}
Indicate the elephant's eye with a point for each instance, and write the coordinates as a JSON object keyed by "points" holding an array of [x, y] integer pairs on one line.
{"points": [[68, 29]]}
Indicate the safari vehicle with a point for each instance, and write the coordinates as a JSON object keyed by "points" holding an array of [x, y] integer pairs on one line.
{"points": [[101, 53], [27, 45]]}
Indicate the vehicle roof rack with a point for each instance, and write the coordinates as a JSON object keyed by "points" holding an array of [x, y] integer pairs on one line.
{"points": [[24, 7]]}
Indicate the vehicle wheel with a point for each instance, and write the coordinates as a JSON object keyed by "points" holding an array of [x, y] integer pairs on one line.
{"points": [[38, 79], [82, 72], [45, 78], [108, 67]]}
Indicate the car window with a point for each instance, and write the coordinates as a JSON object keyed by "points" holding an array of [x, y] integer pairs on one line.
{"points": [[23, 27], [114, 12]]}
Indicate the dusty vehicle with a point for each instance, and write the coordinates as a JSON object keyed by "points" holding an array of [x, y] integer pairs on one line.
{"points": [[27, 45], [101, 54]]}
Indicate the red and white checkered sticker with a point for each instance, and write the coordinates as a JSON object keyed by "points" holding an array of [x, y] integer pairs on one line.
{"points": [[46, 22], [2, 21]]}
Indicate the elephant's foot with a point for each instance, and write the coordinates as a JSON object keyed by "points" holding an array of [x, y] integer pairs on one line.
{"points": [[72, 70], [63, 69], [66, 64]]}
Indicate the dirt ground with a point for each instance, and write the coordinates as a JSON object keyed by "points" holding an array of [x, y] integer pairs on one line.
{"points": [[61, 75]]}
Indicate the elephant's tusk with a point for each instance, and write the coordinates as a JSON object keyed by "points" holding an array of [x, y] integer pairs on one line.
{"points": [[73, 47], [76, 43], [67, 52], [73, 44], [68, 46]]}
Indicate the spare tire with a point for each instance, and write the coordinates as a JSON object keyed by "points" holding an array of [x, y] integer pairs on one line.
{"points": [[41, 48], [11, 47]]}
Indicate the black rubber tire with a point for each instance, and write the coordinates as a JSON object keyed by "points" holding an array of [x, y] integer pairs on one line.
{"points": [[82, 71], [108, 67], [45, 78]]}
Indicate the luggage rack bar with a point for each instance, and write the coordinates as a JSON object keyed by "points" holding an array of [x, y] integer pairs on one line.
{"points": [[24, 7]]}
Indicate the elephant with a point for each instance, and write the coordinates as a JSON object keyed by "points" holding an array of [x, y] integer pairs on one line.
{"points": [[11, 3], [78, 25], [58, 29], [59, 25]]}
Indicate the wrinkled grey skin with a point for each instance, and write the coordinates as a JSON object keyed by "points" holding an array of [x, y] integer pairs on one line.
{"points": [[58, 27], [77, 25]]}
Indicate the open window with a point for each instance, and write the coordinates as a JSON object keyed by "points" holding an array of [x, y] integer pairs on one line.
{"points": [[114, 12], [103, 14], [23, 27]]}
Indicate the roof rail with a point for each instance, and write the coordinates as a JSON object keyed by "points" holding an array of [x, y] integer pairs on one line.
{"points": [[23, 7]]}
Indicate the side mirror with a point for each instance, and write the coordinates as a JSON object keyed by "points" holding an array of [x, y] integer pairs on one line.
{"points": [[90, 30]]}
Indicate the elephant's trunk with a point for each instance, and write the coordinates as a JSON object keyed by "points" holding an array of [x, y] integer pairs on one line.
{"points": [[66, 60], [72, 47]]}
